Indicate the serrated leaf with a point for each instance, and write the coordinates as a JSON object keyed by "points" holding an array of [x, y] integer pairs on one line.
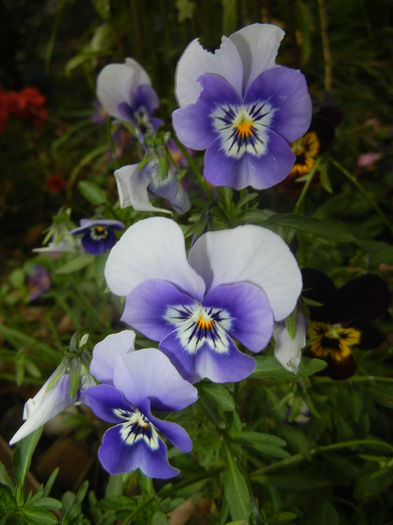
{"points": [[93, 193], [75, 264], [219, 396]]}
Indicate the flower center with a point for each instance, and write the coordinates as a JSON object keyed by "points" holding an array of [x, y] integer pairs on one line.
{"points": [[98, 233], [242, 129], [136, 427], [197, 325], [306, 149], [332, 340]]}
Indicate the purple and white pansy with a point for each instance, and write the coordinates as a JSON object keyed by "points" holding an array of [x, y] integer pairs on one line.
{"points": [[98, 235], [125, 91], [242, 108], [136, 186], [135, 384], [233, 284]]}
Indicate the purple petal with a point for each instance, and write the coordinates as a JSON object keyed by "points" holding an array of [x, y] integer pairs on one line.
{"points": [[98, 247], [193, 124], [223, 368], [86, 224], [147, 304], [178, 355], [106, 353], [286, 90], [148, 374], [117, 457], [250, 310], [221, 170], [174, 432], [145, 96], [103, 399]]}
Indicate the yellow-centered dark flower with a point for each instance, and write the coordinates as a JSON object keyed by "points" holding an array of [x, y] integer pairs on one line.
{"points": [[306, 150], [332, 340]]}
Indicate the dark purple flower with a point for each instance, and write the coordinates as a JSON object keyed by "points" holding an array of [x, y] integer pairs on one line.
{"points": [[344, 318], [98, 236], [242, 108], [140, 382]]}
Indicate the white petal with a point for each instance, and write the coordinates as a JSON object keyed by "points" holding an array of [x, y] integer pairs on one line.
{"points": [[44, 406], [132, 186], [148, 373], [107, 352], [140, 75], [116, 82], [250, 253], [196, 61], [151, 249], [257, 45], [287, 351]]}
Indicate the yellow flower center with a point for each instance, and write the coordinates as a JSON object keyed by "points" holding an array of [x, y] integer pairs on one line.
{"points": [[332, 340], [244, 126]]}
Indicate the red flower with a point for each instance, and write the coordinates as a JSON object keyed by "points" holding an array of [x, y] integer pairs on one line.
{"points": [[55, 183], [29, 106]]}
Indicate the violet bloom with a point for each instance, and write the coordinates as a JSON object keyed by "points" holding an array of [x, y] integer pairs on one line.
{"points": [[125, 91], [136, 187], [140, 382], [38, 281], [242, 108], [98, 236], [233, 284]]}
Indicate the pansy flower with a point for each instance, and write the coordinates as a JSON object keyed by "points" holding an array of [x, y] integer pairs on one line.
{"points": [[38, 281], [138, 383], [343, 321], [136, 186], [316, 141], [98, 236], [232, 285], [125, 92], [242, 108]]}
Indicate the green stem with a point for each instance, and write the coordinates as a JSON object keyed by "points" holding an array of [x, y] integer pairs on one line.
{"points": [[304, 191], [365, 194], [357, 379], [296, 458], [195, 169]]}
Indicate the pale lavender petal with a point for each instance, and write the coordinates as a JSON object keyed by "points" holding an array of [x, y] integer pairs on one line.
{"points": [[174, 432], [132, 184], [249, 308], [147, 304], [286, 90], [257, 45], [45, 406], [148, 374], [151, 249], [172, 191], [117, 457], [196, 61], [107, 351], [288, 351], [139, 74], [103, 400], [115, 84], [253, 254], [223, 368]]}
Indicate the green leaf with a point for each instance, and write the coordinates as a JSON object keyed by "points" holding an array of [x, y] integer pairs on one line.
{"points": [[93, 193], [49, 484], [310, 366], [324, 514], [322, 229], [76, 264], [218, 396], [284, 517], [235, 489], [75, 376], [159, 518], [269, 368], [4, 477], [290, 324], [39, 517], [22, 457], [265, 443], [48, 503]]}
